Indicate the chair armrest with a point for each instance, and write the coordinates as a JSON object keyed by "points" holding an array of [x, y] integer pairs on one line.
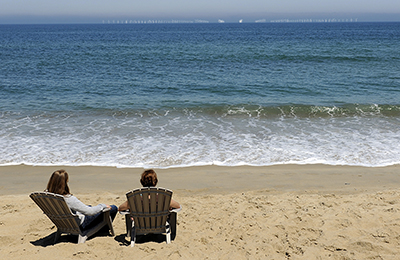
{"points": [[125, 212], [106, 209]]}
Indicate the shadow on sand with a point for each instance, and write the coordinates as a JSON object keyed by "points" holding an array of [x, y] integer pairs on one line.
{"points": [[49, 240], [123, 240]]}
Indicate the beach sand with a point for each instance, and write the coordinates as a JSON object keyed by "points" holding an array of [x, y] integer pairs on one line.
{"points": [[274, 212]]}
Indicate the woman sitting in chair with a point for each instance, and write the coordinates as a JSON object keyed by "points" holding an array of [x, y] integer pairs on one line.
{"points": [[89, 216], [149, 179]]}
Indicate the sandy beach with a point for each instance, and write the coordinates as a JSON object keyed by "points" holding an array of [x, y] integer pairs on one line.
{"points": [[274, 212]]}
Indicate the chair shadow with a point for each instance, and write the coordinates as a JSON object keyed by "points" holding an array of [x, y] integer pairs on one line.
{"points": [[65, 238], [49, 240], [123, 240]]}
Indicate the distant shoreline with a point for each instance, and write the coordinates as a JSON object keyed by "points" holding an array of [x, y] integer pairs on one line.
{"points": [[177, 21]]}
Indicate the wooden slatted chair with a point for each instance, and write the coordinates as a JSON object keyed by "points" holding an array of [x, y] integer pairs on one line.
{"points": [[57, 210], [149, 209]]}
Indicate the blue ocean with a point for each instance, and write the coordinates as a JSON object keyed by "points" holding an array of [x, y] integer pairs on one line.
{"points": [[174, 95]]}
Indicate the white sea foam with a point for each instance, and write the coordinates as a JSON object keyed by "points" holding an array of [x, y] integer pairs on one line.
{"points": [[177, 140]]}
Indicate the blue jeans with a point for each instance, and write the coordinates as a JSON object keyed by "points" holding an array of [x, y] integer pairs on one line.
{"points": [[91, 221]]}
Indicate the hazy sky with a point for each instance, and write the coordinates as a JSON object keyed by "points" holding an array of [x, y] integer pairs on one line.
{"points": [[55, 11]]}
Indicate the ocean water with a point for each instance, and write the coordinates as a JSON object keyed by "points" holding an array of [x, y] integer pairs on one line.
{"points": [[173, 95]]}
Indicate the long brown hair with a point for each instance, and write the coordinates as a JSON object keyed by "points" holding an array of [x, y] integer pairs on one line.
{"points": [[58, 183], [149, 178]]}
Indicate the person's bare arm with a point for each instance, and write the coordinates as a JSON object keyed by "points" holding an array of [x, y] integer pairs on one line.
{"points": [[124, 206], [174, 205]]}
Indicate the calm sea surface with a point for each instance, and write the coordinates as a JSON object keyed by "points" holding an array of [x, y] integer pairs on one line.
{"points": [[170, 95]]}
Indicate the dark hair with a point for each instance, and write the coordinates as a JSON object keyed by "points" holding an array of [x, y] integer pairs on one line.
{"points": [[149, 178], [58, 183]]}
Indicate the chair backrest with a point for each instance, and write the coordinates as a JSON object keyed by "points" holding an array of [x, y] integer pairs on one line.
{"points": [[149, 208], [55, 207]]}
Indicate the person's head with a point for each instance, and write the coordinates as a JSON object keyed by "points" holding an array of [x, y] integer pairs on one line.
{"points": [[149, 178], [58, 183]]}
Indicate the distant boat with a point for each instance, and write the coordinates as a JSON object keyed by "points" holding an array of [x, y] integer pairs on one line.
{"points": [[221, 21], [241, 21]]}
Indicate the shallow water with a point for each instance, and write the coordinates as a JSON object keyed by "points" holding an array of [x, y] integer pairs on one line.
{"points": [[170, 95]]}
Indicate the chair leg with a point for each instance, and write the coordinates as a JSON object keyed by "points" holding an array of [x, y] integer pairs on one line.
{"points": [[133, 235], [110, 226], [57, 236], [172, 224], [81, 239], [128, 225], [168, 233], [107, 219]]}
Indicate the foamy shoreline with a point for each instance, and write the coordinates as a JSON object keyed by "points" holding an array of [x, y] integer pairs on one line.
{"points": [[276, 212]]}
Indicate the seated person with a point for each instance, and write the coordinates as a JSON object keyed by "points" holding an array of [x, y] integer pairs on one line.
{"points": [[89, 216], [149, 179]]}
